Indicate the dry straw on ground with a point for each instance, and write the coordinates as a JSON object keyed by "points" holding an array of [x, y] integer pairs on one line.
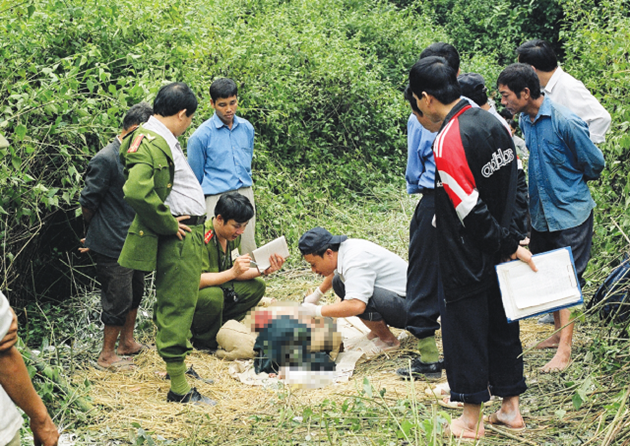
{"points": [[139, 396]]}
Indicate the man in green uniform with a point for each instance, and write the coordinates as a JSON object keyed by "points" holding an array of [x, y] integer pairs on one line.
{"points": [[167, 233], [229, 286]]}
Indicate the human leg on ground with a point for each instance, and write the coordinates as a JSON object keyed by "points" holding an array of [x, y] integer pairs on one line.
{"points": [[421, 299], [579, 239], [177, 288], [127, 344], [208, 318], [506, 377]]}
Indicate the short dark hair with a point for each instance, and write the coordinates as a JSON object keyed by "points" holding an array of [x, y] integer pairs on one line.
{"points": [[519, 76], [434, 76], [445, 50], [223, 88], [234, 206], [412, 101], [333, 247], [173, 98], [538, 53], [137, 114]]}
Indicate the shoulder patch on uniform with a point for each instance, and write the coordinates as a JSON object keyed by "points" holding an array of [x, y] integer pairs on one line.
{"points": [[150, 138], [208, 236], [135, 144]]}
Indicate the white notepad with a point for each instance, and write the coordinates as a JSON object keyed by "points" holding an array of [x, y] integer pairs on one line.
{"points": [[262, 254], [526, 293]]}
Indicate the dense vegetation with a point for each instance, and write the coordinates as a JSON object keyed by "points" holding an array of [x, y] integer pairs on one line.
{"points": [[321, 81]]}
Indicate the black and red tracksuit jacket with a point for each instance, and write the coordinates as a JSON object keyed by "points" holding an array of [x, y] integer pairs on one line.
{"points": [[475, 159]]}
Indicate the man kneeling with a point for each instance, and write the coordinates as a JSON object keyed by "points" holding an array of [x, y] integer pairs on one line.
{"points": [[370, 280], [229, 287]]}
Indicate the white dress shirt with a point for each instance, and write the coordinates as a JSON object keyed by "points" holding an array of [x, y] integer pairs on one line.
{"points": [[566, 90], [186, 196]]}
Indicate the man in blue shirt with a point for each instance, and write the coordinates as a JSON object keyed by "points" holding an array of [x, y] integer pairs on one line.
{"points": [[562, 159], [220, 153], [422, 275]]}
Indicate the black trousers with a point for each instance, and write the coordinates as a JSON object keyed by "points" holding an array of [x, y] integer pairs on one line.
{"points": [[384, 305], [481, 349], [422, 273]]}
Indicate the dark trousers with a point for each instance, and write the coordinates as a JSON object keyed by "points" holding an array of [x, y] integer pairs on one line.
{"points": [[384, 305], [121, 289], [578, 238], [422, 274], [481, 349]]}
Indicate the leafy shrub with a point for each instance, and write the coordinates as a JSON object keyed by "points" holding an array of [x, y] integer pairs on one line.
{"points": [[494, 26], [597, 43], [320, 80]]}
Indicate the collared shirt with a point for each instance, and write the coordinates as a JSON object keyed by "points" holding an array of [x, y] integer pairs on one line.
{"points": [[566, 90], [364, 265], [562, 158], [103, 194], [222, 157], [420, 172], [186, 196]]}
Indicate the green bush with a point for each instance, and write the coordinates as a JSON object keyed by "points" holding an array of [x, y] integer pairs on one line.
{"points": [[320, 80], [597, 43], [493, 26]]}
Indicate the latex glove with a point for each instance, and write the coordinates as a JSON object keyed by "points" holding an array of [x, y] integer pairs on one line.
{"points": [[314, 297], [312, 310]]}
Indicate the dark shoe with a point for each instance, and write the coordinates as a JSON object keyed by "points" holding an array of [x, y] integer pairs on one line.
{"points": [[193, 374], [421, 370], [193, 397]]}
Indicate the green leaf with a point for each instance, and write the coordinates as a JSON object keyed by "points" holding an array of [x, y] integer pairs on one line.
{"points": [[20, 131]]}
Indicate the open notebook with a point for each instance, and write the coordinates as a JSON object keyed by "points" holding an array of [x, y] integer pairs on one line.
{"points": [[526, 293], [262, 254]]}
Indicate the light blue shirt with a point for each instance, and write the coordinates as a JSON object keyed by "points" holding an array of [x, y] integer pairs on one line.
{"points": [[562, 159], [220, 157], [420, 172]]}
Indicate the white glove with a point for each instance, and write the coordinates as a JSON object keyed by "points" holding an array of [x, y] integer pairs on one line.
{"points": [[312, 310], [314, 297]]}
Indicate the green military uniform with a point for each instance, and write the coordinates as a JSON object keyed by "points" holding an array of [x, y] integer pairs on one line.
{"points": [[152, 242], [212, 308]]}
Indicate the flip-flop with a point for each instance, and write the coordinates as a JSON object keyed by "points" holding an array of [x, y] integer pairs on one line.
{"points": [[142, 348], [446, 402], [439, 390], [501, 424], [121, 365]]}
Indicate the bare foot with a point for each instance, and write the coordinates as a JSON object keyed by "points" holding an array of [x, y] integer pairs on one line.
{"points": [[130, 349], [387, 345], [459, 429], [558, 363], [513, 421], [371, 335], [551, 342], [107, 361]]}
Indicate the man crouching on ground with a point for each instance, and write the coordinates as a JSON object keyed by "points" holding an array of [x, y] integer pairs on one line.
{"points": [[369, 279], [474, 202]]}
